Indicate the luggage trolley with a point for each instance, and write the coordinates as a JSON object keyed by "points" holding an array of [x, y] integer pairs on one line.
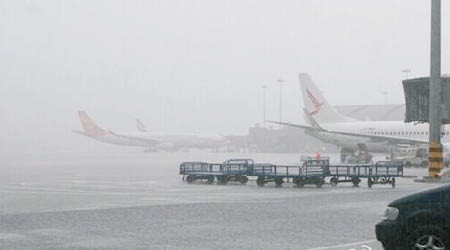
{"points": [[384, 172], [230, 170], [349, 173], [197, 170], [267, 172], [235, 170], [312, 171]]}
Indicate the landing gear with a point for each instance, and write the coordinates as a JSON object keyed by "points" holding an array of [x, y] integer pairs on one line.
{"points": [[345, 153], [343, 157], [334, 181]]}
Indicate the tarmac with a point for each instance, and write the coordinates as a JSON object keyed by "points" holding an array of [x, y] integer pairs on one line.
{"points": [[134, 200]]}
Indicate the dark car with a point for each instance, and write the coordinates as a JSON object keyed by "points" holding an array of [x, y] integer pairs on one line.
{"points": [[417, 221]]}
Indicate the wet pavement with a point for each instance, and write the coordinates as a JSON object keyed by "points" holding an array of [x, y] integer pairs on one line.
{"points": [[133, 200]]}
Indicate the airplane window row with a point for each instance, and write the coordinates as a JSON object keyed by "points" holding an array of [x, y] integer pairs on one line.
{"points": [[403, 133]]}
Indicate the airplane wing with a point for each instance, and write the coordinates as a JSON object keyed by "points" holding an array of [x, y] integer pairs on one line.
{"points": [[292, 125], [314, 125], [81, 133], [137, 139], [374, 138]]}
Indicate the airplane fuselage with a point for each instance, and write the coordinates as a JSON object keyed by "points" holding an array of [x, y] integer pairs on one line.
{"points": [[396, 129], [150, 141], [183, 141], [165, 142]]}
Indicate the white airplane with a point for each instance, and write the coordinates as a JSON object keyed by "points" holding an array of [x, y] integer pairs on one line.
{"points": [[182, 141], [150, 141], [140, 126], [351, 135]]}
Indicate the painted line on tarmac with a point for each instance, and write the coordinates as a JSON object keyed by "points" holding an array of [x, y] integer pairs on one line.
{"points": [[343, 245]]}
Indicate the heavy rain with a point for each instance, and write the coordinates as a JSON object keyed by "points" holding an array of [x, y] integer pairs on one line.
{"points": [[217, 124]]}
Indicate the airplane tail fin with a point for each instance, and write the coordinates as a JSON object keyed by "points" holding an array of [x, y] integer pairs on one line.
{"points": [[316, 106], [140, 126], [89, 127], [312, 122]]}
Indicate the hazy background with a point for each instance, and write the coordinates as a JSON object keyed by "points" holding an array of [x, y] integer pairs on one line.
{"points": [[198, 65]]}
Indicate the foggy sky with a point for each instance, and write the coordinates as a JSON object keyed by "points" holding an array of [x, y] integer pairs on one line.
{"points": [[198, 65]]}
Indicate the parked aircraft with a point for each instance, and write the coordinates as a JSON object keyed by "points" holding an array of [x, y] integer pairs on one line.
{"points": [[350, 135], [148, 140], [140, 126], [92, 130]]}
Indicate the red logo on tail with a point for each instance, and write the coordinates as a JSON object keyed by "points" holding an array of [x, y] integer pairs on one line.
{"points": [[90, 128], [315, 102]]}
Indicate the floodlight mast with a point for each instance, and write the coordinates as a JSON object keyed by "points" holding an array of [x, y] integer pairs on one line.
{"points": [[281, 82], [435, 146], [264, 88]]}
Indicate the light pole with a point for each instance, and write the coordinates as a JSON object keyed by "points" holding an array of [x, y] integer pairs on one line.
{"points": [[435, 146], [385, 94], [406, 71], [264, 88], [281, 82]]}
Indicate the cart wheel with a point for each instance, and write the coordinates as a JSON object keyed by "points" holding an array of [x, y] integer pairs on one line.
{"points": [[210, 179], [225, 180], [319, 183], [334, 181], [299, 182], [222, 180], [243, 179], [278, 181], [356, 182], [260, 181], [189, 179], [393, 182], [369, 182]]}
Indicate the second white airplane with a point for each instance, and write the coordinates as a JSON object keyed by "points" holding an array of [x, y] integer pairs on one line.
{"points": [[148, 140], [350, 135]]}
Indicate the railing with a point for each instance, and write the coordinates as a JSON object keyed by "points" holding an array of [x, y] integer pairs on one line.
{"points": [[312, 166], [196, 167], [263, 169], [350, 170], [387, 168], [288, 171], [193, 166], [236, 168]]}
